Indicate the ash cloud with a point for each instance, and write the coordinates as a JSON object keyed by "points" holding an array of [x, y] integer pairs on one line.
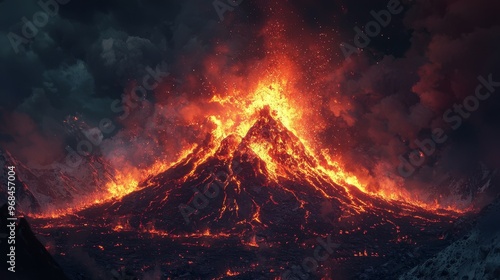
{"points": [[87, 56], [401, 99], [369, 109]]}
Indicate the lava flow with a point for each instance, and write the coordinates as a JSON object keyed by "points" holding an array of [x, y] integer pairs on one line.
{"points": [[250, 201], [237, 112]]}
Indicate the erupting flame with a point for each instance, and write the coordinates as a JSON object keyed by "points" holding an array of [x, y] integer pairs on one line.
{"points": [[123, 183], [128, 180], [275, 84], [239, 112], [278, 93]]}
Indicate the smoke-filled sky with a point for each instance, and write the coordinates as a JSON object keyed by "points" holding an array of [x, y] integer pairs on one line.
{"points": [[79, 68]]}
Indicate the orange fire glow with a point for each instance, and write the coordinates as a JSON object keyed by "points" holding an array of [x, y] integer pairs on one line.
{"points": [[274, 84], [240, 111], [124, 182], [277, 92]]}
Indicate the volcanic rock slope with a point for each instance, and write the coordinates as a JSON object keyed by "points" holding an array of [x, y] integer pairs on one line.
{"points": [[475, 256], [246, 208]]}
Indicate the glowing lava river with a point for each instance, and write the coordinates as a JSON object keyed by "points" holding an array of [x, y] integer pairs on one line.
{"points": [[257, 203]]}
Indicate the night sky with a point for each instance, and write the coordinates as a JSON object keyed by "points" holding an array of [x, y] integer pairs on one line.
{"points": [[80, 63]]}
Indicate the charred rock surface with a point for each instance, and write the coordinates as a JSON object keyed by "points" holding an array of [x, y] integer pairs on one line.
{"points": [[252, 208]]}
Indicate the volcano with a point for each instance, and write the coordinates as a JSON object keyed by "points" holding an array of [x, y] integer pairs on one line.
{"points": [[260, 206]]}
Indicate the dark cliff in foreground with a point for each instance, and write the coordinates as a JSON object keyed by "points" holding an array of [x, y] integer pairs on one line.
{"points": [[32, 260]]}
